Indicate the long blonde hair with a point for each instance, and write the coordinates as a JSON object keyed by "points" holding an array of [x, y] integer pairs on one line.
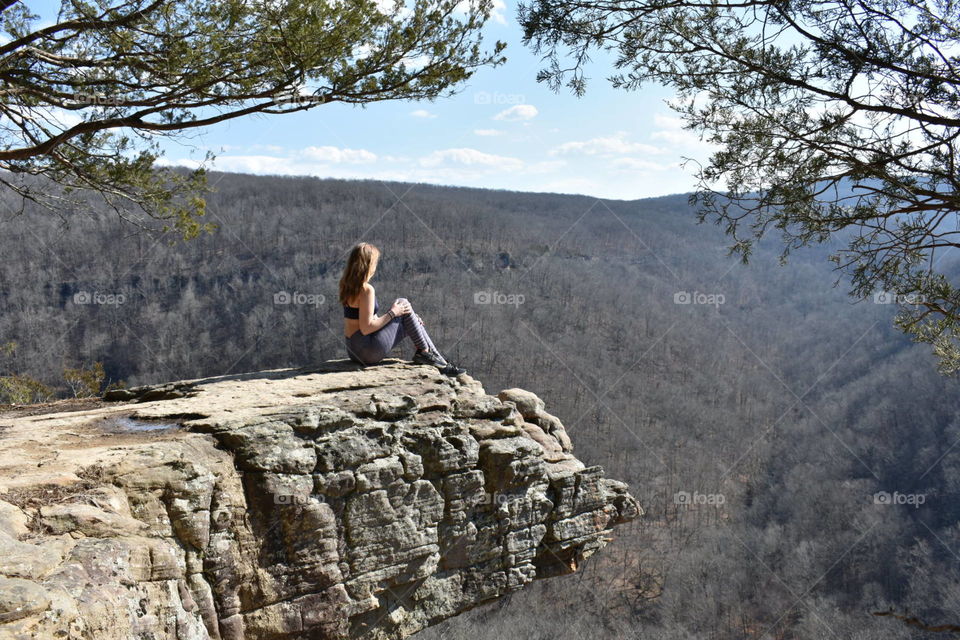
{"points": [[360, 267]]}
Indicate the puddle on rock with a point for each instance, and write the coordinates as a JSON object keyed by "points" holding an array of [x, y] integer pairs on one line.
{"points": [[129, 425]]}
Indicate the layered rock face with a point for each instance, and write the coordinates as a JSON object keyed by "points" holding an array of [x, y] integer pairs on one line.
{"points": [[323, 503]]}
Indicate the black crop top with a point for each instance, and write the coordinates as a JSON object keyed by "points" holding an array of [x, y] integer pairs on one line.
{"points": [[354, 312]]}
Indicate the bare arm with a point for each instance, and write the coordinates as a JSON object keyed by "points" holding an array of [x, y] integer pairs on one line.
{"points": [[369, 321]]}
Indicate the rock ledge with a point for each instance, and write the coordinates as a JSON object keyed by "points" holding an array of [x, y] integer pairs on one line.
{"points": [[328, 502]]}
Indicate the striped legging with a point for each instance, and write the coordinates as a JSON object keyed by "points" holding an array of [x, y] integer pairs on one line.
{"points": [[374, 347]]}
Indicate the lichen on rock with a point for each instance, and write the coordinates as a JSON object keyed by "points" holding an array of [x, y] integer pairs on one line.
{"points": [[330, 502]]}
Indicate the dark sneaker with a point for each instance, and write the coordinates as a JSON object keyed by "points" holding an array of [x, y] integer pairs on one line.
{"points": [[452, 370], [429, 357]]}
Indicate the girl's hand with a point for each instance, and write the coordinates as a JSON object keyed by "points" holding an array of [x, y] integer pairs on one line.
{"points": [[400, 307]]}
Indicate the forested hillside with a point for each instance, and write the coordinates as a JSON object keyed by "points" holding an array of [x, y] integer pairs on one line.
{"points": [[794, 453]]}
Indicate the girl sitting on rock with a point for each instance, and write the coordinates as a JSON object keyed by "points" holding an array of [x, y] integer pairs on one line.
{"points": [[370, 337]]}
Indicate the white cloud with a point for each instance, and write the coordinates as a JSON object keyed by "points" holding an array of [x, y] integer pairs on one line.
{"points": [[496, 13], [488, 132], [588, 166], [670, 130], [422, 113], [474, 168], [259, 165], [178, 162], [416, 62], [616, 144], [639, 164], [50, 117], [394, 9], [271, 148], [470, 157], [445, 166], [362, 50], [66, 118], [517, 112], [668, 122], [311, 160], [336, 155]]}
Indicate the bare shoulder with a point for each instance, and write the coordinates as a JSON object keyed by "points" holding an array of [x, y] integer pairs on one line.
{"points": [[367, 295]]}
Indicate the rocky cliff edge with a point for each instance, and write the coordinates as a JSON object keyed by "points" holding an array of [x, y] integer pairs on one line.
{"points": [[328, 502]]}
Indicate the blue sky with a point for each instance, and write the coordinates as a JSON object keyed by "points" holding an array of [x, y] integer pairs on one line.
{"points": [[502, 130]]}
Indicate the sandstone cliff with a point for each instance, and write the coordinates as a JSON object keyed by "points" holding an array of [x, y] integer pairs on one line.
{"points": [[320, 503]]}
